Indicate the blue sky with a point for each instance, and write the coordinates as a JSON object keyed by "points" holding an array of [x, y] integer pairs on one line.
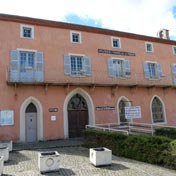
{"points": [[144, 17]]}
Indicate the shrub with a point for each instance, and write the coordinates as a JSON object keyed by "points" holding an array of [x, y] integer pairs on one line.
{"points": [[152, 149], [168, 132]]}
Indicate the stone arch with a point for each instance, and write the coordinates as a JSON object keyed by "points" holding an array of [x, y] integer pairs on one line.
{"points": [[90, 105], [39, 118], [127, 103]]}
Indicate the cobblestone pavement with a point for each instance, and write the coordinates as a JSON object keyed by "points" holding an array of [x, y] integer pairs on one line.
{"points": [[74, 160]]}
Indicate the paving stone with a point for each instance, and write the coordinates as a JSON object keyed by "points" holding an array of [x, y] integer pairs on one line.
{"points": [[74, 160]]}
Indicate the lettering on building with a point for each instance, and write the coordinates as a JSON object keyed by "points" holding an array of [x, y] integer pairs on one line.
{"points": [[105, 108], [123, 53]]}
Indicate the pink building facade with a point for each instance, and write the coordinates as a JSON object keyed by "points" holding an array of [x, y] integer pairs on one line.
{"points": [[58, 77]]}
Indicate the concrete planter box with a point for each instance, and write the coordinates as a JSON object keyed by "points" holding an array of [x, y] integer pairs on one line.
{"points": [[7, 144], [48, 161], [1, 164], [4, 151], [100, 156]]}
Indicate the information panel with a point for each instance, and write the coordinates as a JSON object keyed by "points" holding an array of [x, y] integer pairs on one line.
{"points": [[132, 112], [6, 118]]}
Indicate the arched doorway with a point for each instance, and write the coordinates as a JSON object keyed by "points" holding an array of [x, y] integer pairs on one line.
{"points": [[77, 115], [31, 123], [121, 108], [39, 109]]}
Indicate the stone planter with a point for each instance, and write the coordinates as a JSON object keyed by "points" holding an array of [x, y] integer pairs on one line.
{"points": [[4, 151], [7, 144], [100, 156], [1, 164], [48, 161]]}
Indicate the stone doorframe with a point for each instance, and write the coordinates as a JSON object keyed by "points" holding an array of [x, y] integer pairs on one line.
{"points": [[128, 103], [90, 105], [39, 119]]}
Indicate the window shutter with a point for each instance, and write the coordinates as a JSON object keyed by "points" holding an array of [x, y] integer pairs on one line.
{"points": [[110, 68], [146, 70], [87, 66], [67, 64], [173, 68], [160, 73], [39, 73], [15, 66], [127, 68]]}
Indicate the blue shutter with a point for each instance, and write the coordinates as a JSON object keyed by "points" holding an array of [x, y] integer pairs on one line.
{"points": [[127, 68], [110, 68], [146, 70], [15, 66], [87, 66], [39, 72], [160, 72], [173, 68], [67, 64]]}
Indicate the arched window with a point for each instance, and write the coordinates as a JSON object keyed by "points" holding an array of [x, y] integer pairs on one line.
{"points": [[31, 108], [157, 111]]}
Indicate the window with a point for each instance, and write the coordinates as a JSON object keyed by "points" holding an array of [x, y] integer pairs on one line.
{"points": [[116, 42], [77, 65], [27, 31], [75, 37], [26, 66], [173, 68], [119, 68], [26, 61], [149, 47], [152, 70], [174, 50], [157, 111]]}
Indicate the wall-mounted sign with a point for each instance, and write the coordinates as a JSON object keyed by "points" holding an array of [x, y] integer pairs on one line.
{"points": [[53, 118], [53, 109], [132, 112], [6, 118], [123, 53], [105, 108]]}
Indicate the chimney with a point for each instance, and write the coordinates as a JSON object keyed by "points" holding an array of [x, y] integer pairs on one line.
{"points": [[163, 33]]}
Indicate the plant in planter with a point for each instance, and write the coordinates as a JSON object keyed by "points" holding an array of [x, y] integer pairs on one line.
{"points": [[4, 151], [100, 156], [1, 164], [48, 161]]}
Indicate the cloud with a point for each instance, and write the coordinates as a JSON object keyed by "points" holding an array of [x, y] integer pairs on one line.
{"points": [[73, 18], [144, 17]]}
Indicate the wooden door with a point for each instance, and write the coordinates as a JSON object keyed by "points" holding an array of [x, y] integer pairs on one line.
{"points": [[77, 121]]}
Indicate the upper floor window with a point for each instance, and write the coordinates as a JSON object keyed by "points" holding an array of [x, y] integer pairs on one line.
{"points": [[75, 37], [148, 47], [26, 61], [157, 111], [174, 50], [116, 42], [26, 66], [27, 31], [173, 68], [77, 65], [119, 68], [152, 70]]}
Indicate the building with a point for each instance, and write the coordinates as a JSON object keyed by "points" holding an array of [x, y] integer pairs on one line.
{"points": [[57, 77]]}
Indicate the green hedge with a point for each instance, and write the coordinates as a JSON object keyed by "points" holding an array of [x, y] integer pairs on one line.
{"points": [[168, 132], [152, 149]]}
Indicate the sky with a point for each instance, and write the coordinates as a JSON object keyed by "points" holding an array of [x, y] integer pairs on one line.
{"points": [[145, 17]]}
